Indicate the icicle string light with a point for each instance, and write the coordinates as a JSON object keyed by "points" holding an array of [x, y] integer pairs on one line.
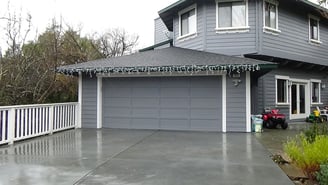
{"points": [[229, 68]]}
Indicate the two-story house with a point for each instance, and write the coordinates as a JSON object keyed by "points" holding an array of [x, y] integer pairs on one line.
{"points": [[214, 63]]}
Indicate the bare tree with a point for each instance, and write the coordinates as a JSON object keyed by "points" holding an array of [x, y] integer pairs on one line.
{"points": [[117, 42]]}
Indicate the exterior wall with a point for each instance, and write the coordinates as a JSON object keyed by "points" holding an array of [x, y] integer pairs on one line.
{"points": [[229, 43], [89, 102], [293, 41], [267, 88], [194, 42], [236, 105], [224, 43], [161, 32]]}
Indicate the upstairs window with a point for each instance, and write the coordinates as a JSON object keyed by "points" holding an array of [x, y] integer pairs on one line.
{"points": [[188, 21], [314, 29], [271, 15], [231, 14]]}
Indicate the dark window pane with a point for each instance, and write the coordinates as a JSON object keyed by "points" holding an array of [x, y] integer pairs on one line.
{"points": [[281, 91]]}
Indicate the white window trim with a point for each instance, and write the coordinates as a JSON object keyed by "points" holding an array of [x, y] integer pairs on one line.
{"points": [[279, 77], [231, 29], [315, 81], [189, 35], [318, 20], [274, 31]]}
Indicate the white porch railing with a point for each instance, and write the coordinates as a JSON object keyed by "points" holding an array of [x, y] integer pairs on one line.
{"points": [[27, 121]]}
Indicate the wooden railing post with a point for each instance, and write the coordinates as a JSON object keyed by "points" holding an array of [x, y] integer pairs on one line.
{"points": [[51, 119], [11, 125]]}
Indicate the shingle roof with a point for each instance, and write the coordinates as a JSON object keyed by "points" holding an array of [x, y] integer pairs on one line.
{"points": [[168, 59]]}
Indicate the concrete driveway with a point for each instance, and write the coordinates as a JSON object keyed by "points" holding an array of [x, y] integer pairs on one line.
{"points": [[137, 157]]}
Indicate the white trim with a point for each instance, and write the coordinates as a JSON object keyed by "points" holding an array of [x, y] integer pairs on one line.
{"points": [[99, 102], [274, 31], [314, 41], [194, 6], [224, 103], [319, 86], [79, 114], [231, 29], [307, 95], [280, 77], [248, 102]]}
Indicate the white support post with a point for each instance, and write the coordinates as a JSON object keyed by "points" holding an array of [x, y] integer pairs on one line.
{"points": [[248, 102], [11, 125], [78, 114], [224, 103], [51, 119], [99, 102]]}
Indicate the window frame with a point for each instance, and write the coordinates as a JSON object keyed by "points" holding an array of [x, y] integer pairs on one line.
{"points": [[309, 22], [231, 29], [287, 79], [269, 29], [311, 92], [190, 8]]}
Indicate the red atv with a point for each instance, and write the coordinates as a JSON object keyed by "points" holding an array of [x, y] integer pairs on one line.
{"points": [[272, 118]]}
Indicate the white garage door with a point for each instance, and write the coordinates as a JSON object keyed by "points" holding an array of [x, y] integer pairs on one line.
{"points": [[163, 103]]}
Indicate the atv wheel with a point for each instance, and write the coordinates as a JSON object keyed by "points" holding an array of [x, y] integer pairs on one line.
{"points": [[284, 125], [270, 124]]}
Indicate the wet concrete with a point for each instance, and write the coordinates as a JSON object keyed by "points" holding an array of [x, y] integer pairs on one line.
{"points": [[136, 157]]}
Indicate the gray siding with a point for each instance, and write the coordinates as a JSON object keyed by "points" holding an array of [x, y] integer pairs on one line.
{"points": [[208, 40], [293, 41], [267, 90], [166, 103], [236, 105], [89, 102], [230, 43], [161, 32], [192, 42]]}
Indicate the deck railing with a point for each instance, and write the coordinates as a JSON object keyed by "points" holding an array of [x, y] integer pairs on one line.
{"points": [[27, 121]]}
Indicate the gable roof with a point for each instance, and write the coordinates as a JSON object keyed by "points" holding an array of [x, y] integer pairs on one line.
{"points": [[170, 11], [167, 60]]}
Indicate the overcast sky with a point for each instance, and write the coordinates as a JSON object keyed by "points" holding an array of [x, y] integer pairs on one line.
{"points": [[93, 15]]}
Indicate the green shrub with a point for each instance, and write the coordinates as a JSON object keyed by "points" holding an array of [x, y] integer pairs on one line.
{"points": [[316, 130], [322, 175], [308, 155]]}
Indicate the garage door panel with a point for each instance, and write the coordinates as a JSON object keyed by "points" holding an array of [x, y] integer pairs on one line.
{"points": [[177, 124], [204, 92], [145, 83], [174, 102], [140, 123], [145, 102], [204, 82], [118, 102], [204, 103], [175, 82], [118, 123], [145, 92], [169, 103], [204, 125], [119, 112], [117, 82], [119, 92], [145, 113], [204, 114], [175, 113], [174, 92]]}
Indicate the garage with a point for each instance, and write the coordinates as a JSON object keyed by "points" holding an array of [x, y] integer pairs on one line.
{"points": [[163, 103]]}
